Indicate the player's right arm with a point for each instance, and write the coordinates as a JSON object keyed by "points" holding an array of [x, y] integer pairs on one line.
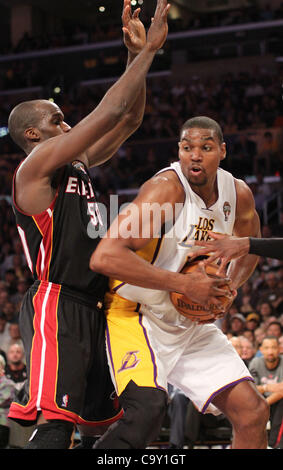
{"points": [[116, 256]]}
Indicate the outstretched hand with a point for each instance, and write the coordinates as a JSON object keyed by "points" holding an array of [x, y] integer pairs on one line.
{"points": [[133, 29], [158, 30], [224, 247]]}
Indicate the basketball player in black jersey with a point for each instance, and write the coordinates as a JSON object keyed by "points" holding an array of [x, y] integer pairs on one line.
{"points": [[62, 322]]}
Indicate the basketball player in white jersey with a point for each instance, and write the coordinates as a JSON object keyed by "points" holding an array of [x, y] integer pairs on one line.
{"points": [[149, 343]]}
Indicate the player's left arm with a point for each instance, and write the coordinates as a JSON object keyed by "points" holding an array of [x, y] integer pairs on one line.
{"points": [[108, 145], [247, 224], [134, 39]]}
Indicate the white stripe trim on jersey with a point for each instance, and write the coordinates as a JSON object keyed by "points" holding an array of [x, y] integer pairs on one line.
{"points": [[25, 247], [42, 257], [43, 349]]}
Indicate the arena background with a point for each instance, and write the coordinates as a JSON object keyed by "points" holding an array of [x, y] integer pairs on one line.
{"points": [[222, 58]]}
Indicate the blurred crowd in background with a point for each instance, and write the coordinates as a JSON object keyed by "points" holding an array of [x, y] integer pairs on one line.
{"points": [[248, 106], [70, 35]]}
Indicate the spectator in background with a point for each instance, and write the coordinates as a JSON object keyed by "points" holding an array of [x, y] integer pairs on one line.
{"points": [[4, 297], [9, 311], [14, 332], [248, 350], [237, 324], [246, 305], [274, 329], [7, 390], [270, 292], [22, 287], [249, 334], [10, 278], [236, 342], [259, 335], [247, 297], [16, 368], [252, 321], [265, 310], [269, 369], [4, 333]]}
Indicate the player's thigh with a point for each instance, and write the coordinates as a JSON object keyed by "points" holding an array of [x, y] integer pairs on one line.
{"points": [[131, 353], [209, 364]]}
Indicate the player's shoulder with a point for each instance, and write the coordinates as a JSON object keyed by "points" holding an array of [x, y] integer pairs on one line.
{"points": [[244, 193], [241, 186], [165, 186]]}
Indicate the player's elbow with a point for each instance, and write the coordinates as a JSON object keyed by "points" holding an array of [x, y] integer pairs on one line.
{"points": [[133, 120], [99, 261], [115, 109]]}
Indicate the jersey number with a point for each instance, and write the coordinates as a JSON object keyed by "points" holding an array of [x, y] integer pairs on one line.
{"points": [[95, 216]]}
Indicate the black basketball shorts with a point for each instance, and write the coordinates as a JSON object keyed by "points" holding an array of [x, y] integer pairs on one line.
{"points": [[68, 373]]}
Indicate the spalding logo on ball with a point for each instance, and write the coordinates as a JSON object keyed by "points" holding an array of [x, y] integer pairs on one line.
{"points": [[193, 310]]}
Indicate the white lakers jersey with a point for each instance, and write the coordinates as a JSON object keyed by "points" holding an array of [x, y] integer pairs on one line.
{"points": [[173, 248]]}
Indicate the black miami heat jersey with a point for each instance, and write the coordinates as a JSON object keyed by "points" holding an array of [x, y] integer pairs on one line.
{"points": [[58, 242]]}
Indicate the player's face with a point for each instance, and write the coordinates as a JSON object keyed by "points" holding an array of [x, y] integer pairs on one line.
{"points": [[200, 153], [52, 122]]}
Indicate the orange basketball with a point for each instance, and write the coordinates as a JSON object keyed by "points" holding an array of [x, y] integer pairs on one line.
{"points": [[191, 309]]}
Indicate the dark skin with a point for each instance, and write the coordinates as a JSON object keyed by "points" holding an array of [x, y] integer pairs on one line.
{"points": [[270, 352], [200, 154], [53, 144]]}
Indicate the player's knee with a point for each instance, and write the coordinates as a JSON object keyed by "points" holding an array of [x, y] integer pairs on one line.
{"points": [[262, 412], [55, 434], [255, 417]]}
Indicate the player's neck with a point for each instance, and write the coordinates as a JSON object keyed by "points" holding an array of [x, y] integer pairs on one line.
{"points": [[208, 193]]}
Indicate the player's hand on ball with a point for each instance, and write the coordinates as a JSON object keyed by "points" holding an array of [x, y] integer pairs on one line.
{"points": [[204, 296]]}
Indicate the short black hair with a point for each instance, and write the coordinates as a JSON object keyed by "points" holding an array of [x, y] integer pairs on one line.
{"points": [[24, 115], [275, 323], [270, 337], [203, 122]]}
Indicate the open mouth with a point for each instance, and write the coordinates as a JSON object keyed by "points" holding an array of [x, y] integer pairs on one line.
{"points": [[196, 170]]}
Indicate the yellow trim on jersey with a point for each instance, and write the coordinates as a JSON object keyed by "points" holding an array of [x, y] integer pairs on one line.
{"points": [[33, 218], [130, 354], [149, 253]]}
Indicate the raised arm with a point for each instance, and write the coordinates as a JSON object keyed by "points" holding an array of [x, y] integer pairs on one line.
{"points": [[117, 102], [134, 39], [33, 180]]}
